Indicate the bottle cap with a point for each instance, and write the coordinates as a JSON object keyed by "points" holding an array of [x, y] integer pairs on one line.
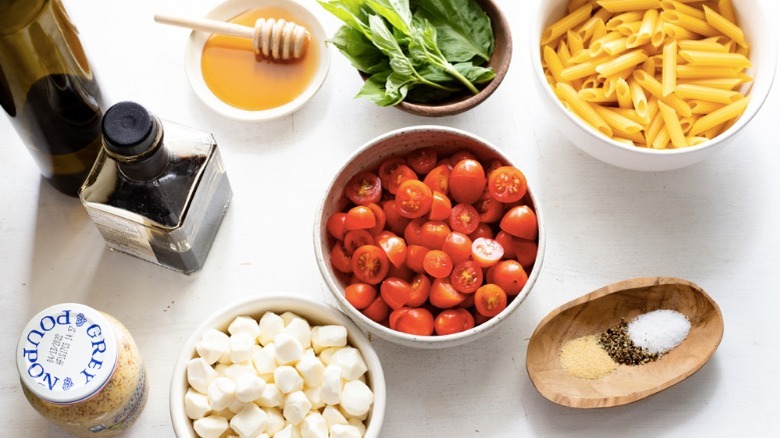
{"points": [[128, 129], [66, 353]]}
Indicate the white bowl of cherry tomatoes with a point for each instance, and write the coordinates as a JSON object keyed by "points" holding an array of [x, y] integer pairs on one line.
{"points": [[429, 237]]}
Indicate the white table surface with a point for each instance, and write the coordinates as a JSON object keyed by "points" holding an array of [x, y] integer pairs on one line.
{"points": [[715, 223]]}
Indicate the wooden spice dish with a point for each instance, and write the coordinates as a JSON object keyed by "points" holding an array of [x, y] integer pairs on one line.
{"points": [[597, 311]]}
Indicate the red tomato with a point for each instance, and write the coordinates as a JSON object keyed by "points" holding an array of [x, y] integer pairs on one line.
{"points": [[377, 311], [438, 179], [466, 276], [417, 321], [467, 181], [393, 246], [525, 252], [461, 155], [359, 217], [335, 225], [404, 272], [483, 230], [493, 165], [507, 184], [393, 218], [395, 315], [437, 264], [433, 234], [509, 275], [363, 188], [443, 295], [441, 207], [354, 239], [507, 242], [395, 292], [379, 215], [490, 300], [413, 230], [520, 222], [464, 218], [360, 295], [415, 256], [452, 321], [458, 246], [339, 259], [468, 303], [486, 252], [369, 264], [413, 199], [489, 209], [421, 288], [393, 172], [422, 160]]}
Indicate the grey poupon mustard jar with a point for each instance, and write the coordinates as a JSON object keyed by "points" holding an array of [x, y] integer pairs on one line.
{"points": [[81, 370]]}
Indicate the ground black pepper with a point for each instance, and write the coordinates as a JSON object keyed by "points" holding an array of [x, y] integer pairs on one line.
{"points": [[618, 344]]}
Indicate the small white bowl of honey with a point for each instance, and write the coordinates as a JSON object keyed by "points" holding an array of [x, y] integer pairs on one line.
{"points": [[232, 79]]}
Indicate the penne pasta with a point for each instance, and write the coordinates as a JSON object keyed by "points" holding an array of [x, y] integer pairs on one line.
{"points": [[626, 17], [597, 95], [707, 94], [720, 116], [707, 45], [676, 32], [623, 93], [638, 97], [632, 114], [688, 71], [720, 83], [578, 71], [628, 5], [726, 9], [715, 59], [689, 23], [646, 29], [582, 108], [553, 63], [622, 62], [566, 23], [695, 140], [655, 88], [725, 26], [616, 121], [672, 125], [700, 107], [669, 68], [682, 8]]}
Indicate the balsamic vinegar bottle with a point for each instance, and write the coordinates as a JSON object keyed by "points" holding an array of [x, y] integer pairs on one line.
{"points": [[49, 91]]}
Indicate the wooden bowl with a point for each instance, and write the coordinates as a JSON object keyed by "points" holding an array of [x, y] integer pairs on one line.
{"points": [[597, 311]]}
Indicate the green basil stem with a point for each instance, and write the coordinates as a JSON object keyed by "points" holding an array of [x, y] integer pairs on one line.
{"points": [[438, 59]]}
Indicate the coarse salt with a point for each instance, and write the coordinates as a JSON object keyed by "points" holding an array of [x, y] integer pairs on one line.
{"points": [[659, 331]]}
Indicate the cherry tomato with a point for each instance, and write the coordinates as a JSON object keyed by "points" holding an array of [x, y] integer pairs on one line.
{"points": [[359, 217], [395, 292], [441, 207], [452, 321], [413, 230], [339, 259], [490, 300], [422, 160], [458, 246], [421, 288], [443, 295], [393, 218], [493, 165], [464, 218], [415, 256], [525, 252], [461, 155], [467, 181], [354, 239], [414, 321], [360, 295], [483, 230], [404, 272], [363, 188], [394, 171], [468, 303], [369, 264], [486, 252], [377, 311], [466, 276], [379, 215], [507, 184], [335, 225], [479, 318], [395, 314], [433, 234], [437, 264], [413, 199], [393, 246], [438, 179], [509, 275], [489, 209], [520, 222], [507, 241]]}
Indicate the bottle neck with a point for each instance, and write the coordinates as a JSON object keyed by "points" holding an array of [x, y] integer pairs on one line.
{"points": [[147, 165]]}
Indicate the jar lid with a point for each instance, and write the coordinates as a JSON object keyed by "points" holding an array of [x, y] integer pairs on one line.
{"points": [[128, 129], [66, 353]]}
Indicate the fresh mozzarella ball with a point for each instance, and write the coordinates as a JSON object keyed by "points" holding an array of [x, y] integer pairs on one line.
{"points": [[236, 370], [275, 421], [344, 431], [333, 416], [358, 424], [221, 393], [200, 374], [314, 394], [300, 329], [331, 385], [270, 325], [250, 422], [196, 405], [244, 324], [271, 397], [286, 432], [356, 398], [241, 347], [314, 426], [311, 369], [212, 426], [296, 406], [213, 346], [249, 387], [264, 360], [287, 379], [288, 348], [351, 362], [326, 336]]}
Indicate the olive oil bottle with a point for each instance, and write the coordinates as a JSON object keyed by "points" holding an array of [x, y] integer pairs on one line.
{"points": [[49, 91]]}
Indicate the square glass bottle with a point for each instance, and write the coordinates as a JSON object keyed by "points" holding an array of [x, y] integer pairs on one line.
{"points": [[158, 190]]}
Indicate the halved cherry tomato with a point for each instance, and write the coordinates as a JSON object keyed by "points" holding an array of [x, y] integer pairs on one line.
{"points": [[363, 188], [414, 321], [525, 252], [490, 300], [438, 179], [483, 230], [479, 318], [394, 171], [413, 199], [444, 295], [395, 292], [377, 311], [441, 207], [421, 288], [422, 160], [359, 218], [393, 246], [507, 242], [492, 165], [468, 303], [404, 272], [507, 184], [360, 295], [369, 264], [461, 155], [489, 209], [415, 256], [395, 315], [437, 264], [354, 239], [339, 259], [433, 234], [335, 225], [452, 321], [458, 246], [393, 218], [467, 181], [464, 218], [509, 275], [486, 252], [520, 222], [466, 276], [380, 216], [413, 230]]}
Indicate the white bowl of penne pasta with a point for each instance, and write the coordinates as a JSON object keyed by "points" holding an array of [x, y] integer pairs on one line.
{"points": [[652, 85]]}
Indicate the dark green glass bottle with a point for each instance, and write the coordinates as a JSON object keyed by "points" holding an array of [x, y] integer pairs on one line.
{"points": [[49, 91]]}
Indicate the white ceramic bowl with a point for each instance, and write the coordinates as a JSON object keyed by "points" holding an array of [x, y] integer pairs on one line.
{"points": [[763, 57], [316, 313], [229, 10], [370, 155]]}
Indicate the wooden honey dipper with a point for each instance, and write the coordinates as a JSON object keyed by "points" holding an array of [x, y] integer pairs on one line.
{"points": [[273, 38]]}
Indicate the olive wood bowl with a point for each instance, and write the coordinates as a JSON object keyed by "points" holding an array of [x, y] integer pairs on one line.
{"points": [[597, 311]]}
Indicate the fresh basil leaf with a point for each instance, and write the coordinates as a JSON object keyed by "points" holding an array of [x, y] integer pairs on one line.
{"points": [[354, 13], [463, 28], [384, 40], [474, 73], [374, 90], [359, 50], [396, 12]]}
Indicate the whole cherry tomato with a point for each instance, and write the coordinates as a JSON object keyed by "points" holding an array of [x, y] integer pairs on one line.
{"points": [[458, 246], [467, 181], [433, 234], [509, 275]]}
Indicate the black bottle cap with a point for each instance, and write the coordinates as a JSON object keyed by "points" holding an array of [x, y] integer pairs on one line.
{"points": [[128, 129]]}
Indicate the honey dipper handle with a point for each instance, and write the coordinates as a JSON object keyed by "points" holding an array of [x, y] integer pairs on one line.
{"points": [[206, 25]]}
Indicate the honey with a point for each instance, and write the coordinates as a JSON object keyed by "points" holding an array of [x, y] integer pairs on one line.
{"points": [[251, 82]]}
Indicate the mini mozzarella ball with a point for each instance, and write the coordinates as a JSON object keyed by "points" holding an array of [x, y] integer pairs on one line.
{"points": [[287, 379], [286, 432], [241, 347], [244, 324], [358, 424], [200, 374], [270, 325], [249, 387], [331, 385], [212, 426], [264, 359], [213, 346], [236, 406], [250, 422], [236, 370], [275, 421], [326, 336], [314, 426], [221, 368], [314, 394], [326, 354], [356, 398], [196, 405], [333, 416], [351, 362], [300, 329], [221, 393], [344, 431], [288, 348], [271, 397], [226, 413], [311, 369], [296, 406]]}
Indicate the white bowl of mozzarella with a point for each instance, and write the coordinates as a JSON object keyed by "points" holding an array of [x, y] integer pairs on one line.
{"points": [[277, 365]]}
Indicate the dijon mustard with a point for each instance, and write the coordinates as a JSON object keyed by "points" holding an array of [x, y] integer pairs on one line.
{"points": [[81, 370]]}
